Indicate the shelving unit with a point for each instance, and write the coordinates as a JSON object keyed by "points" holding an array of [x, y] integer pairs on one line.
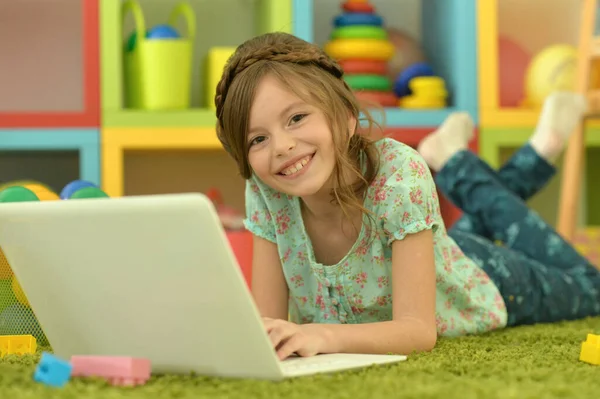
{"points": [[529, 25], [49, 101], [234, 20], [446, 31], [49, 80]]}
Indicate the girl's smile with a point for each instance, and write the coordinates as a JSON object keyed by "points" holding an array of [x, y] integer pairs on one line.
{"points": [[296, 167]]}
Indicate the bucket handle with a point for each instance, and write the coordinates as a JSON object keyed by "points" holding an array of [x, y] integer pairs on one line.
{"points": [[184, 9], [138, 17]]}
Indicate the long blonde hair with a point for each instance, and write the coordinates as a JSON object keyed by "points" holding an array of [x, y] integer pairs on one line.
{"points": [[317, 79]]}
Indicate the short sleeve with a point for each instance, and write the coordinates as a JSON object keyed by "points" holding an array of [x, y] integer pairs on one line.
{"points": [[412, 203], [258, 217]]}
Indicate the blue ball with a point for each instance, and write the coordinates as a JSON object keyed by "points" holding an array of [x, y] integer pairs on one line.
{"points": [[73, 186], [401, 88], [162, 32], [357, 18]]}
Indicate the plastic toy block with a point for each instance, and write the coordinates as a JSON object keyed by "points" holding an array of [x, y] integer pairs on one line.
{"points": [[215, 62], [52, 371], [117, 370], [17, 344], [590, 350]]}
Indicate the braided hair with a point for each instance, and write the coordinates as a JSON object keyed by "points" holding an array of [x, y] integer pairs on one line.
{"points": [[307, 71]]}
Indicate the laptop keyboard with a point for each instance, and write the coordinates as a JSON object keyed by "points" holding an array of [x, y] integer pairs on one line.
{"points": [[310, 363]]}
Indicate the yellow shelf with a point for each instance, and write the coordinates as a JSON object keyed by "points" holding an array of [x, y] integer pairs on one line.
{"points": [[116, 141]]}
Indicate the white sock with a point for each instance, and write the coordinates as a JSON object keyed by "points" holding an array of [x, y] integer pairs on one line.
{"points": [[561, 113], [452, 136]]}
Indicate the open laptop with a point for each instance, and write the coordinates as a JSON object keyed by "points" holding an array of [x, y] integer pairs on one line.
{"points": [[147, 276]]}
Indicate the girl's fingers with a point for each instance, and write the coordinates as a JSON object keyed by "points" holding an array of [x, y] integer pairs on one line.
{"points": [[279, 332], [292, 345]]}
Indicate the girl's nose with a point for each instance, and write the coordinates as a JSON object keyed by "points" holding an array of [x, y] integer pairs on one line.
{"points": [[284, 143]]}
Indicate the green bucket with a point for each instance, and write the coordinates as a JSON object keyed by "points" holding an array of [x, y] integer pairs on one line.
{"points": [[158, 72]]}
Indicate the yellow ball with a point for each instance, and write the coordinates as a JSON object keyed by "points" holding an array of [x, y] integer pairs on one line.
{"points": [[42, 192], [18, 291], [552, 69]]}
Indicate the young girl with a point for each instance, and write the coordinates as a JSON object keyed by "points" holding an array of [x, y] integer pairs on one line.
{"points": [[348, 237]]}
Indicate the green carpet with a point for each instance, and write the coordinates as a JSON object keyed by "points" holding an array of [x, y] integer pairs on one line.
{"points": [[526, 362]]}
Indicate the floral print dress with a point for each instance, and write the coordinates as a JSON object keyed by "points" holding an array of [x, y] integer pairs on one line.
{"points": [[358, 289]]}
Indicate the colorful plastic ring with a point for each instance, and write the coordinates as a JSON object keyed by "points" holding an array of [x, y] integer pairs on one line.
{"points": [[42, 192], [357, 6], [73, 186], [401, 87], [368, 82], [364, 67], [359, 32], [418, 102], [383, 98], [426, 82], [359, 18], [365, 49]]}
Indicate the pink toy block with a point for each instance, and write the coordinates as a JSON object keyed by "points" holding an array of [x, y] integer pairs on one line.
{"points": [[117, 370]]}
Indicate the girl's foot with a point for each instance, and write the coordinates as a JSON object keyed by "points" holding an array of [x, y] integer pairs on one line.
{"points": [[453, 136], [561, 113]]}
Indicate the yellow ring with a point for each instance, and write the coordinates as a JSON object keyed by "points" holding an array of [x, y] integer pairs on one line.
{"points": [[416, 102], [365, 49]]}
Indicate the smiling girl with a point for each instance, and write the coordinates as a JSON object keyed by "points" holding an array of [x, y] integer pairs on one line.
{"points": [[348, 236]]}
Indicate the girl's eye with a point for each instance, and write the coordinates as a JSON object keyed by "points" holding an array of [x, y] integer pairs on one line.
{"points": [[297, 118], [257, 140]]}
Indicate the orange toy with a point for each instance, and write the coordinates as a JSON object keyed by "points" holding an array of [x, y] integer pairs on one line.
{"points": [[383, 98], [358, 66], [355, 6]]}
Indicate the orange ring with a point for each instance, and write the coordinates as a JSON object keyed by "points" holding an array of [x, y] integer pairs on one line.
{"points": [[355, 6], [383, 98], [358, 66]]}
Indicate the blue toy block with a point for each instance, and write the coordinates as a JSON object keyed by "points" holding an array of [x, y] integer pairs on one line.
{"points": [[52, 371]]}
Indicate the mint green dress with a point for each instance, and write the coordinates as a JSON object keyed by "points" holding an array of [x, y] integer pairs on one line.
{"points": [[358, 289]]}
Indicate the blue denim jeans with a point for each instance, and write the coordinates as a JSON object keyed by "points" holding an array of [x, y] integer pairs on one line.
{"points": [[541, 277]]}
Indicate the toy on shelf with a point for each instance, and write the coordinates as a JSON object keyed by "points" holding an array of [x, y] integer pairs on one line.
{"points": [[216, 58], [52, 371], [418, 87], [552, 69], [158, 62], [361, 46], [116, 370], [513, 61], [16, 315]]}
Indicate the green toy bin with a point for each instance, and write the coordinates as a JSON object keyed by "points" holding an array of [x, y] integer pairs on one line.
{"points": [[158, 72]]}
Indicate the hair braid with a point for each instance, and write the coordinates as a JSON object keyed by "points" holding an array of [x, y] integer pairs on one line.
{"points": [[292, 50]]}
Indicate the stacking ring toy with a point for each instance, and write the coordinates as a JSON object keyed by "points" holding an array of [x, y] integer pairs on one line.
{"points": [[368, 82], [401, 87], [357, 19], [426, 83], [369, 49], [383, 98], [359, 32], [364, 67], [416, 102], [357, 6]]}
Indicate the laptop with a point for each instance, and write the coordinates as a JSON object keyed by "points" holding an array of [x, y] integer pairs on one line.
{"points": [[147, 276]]}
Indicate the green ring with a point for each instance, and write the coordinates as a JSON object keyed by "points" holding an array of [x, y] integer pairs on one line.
{"points": [[368, 82], [359, 32], [17, 194], [88, 192]]}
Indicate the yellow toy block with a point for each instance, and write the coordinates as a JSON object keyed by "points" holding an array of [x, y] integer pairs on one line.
{"points": [[17, 344], [590, 350], [215, 62]]}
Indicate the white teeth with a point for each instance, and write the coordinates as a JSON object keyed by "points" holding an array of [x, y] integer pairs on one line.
{"points": [[295, 168]]}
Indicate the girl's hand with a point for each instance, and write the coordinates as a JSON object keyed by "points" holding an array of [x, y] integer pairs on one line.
{"points": [[289, 338]]}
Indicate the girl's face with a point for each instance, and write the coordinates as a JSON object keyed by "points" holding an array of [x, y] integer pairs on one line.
{"points": [[290, 143]]}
